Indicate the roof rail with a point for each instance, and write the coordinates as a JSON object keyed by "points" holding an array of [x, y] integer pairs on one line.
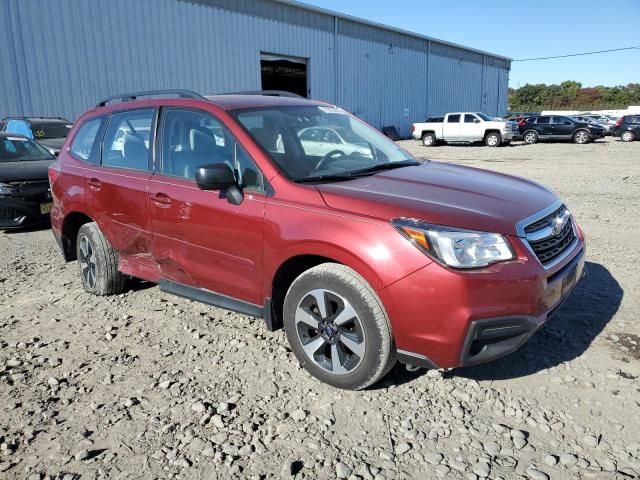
{"points": [[128, 97], [44, 117], [267, 93]]}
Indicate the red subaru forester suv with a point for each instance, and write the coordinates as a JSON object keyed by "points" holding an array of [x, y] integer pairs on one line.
{"points": [[297, 212]]}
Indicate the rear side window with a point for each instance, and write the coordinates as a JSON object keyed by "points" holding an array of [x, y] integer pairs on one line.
{"points": [[86, 143], [127, 139], [544, 120], [453, 119]]}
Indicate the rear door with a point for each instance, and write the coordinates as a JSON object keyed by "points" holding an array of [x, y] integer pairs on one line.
{"points": [[451, 127], [543, 127], [116, 191], [200, 239]]}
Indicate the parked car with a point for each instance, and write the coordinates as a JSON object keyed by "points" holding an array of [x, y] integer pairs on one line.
{"points": [[364, 259], [25, 198], [465, 128], [557, 127], [628, 128], [321, 141], [50, 132]]}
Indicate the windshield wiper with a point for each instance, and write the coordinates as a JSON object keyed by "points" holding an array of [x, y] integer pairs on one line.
{"points": [[383, 166], [359, 173]]}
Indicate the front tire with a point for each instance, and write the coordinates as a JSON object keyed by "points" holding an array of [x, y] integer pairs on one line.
{"points": [[492, 139], [581, 137], [98, 262], [428, 140], [337, 327], [627, 137]]}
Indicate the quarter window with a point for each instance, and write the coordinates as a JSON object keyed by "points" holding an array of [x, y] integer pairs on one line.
{"points": [[192, 139], [453, 119], [126, 142], [86, 143]]}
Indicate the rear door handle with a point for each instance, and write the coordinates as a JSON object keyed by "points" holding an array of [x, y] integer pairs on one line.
{"points": [[94, 183], [161, 199]]}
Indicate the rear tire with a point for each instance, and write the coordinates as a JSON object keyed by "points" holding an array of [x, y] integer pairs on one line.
{"points": [[627, 137], [581, 137], [98, 262], [493, 139], [428, 140], [530, 137], [337, 327]]}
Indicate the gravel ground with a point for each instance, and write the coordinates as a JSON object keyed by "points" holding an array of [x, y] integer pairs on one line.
{"points": [[147, 385]]}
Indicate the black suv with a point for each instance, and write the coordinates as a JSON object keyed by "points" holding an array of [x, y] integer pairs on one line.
{"points": [[628, 128], [50, 132], [557, 127]]}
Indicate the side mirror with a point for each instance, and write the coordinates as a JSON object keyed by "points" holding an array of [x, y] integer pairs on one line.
{"points": [[216, 176], [475, 120]]}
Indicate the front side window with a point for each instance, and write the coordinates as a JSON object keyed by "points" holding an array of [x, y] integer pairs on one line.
{"points": [[191, 139], [127, 139], [84, 145], [300, 141], [453, 119], [21, 149], [469, 118], [561, 121]]}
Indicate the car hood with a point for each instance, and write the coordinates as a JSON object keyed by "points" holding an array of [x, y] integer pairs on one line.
{"points": [[17, 171], [52, 142], [443, 194]]}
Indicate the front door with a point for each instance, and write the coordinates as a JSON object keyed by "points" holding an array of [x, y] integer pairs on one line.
{"points": [[200, 239], [562, 127]]}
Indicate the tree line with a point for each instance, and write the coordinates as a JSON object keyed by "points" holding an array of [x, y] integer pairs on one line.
{"points": [[571, 95]]}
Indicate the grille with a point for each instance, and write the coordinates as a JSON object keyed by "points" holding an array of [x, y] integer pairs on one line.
{"points": [[9, 213], [551, 245]]}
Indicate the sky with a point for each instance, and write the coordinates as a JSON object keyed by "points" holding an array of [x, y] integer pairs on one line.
{"points": [[521, 29]]}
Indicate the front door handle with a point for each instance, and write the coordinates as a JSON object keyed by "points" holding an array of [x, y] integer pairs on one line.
{"points": [[94, 183], [161, 199]]}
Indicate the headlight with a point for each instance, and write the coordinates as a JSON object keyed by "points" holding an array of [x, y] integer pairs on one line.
{"points": [[6, 189], [454, 247]]}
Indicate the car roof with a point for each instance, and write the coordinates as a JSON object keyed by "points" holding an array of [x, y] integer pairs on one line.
{"points": [[235, 102], [37, 119]]}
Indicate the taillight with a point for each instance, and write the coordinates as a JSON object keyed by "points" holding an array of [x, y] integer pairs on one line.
{"points": [[521, 123], [413, 127], [619, 122]]}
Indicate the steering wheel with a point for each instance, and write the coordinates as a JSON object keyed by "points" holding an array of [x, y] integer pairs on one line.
{"points": [[332, 155]]}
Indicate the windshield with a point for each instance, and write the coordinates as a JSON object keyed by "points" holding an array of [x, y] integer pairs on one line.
{"points": [[45, 130], [19, 149], [485, 117], [312, 142]]}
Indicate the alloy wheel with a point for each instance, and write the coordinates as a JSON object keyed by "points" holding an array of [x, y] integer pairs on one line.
{"points": [[330, 331], [627, 136], [582, 137], [88, 264], [530, 137]]}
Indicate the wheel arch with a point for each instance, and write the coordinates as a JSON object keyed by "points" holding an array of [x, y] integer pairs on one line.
{"points": [[70, 226], [293, 265]]}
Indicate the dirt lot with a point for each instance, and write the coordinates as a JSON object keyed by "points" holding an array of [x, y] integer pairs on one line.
{"points": [[146, 385]]}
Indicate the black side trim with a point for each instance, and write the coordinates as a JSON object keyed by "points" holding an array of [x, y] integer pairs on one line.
{"points": [[270, 319], [410, 358], [211, 298]]}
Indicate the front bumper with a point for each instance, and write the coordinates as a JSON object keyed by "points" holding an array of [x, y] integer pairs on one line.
{"points": [[16, 212], [446, 318]]}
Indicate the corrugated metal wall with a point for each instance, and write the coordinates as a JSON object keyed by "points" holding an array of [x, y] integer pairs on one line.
{"points": [[65, 55]]}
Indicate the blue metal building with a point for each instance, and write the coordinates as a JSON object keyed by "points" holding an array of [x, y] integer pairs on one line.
{"points": [[59, 57]]}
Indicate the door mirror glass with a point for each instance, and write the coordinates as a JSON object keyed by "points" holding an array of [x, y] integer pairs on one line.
{"points": [[216, 176], [476, 121]]}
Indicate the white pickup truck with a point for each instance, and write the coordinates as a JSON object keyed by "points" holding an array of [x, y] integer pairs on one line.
{"points": [[465, 127]]}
